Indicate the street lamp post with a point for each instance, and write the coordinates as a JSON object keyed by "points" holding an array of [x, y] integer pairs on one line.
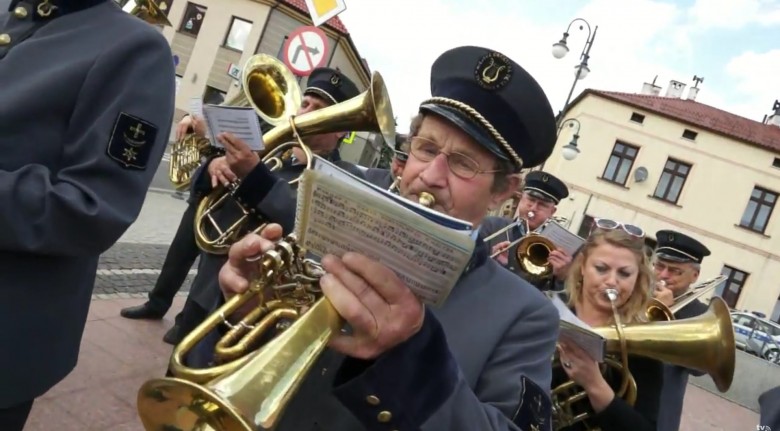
{"points": [[560, 49], [570, 150]]}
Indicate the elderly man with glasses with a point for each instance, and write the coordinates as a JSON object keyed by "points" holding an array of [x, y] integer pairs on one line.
{"points": [[677, 264]]}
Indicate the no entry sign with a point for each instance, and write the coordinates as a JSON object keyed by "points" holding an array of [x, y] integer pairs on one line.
{"points": [[305, 50]]}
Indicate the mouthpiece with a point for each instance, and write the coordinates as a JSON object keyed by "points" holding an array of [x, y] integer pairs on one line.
{"points": [[426, 199], [531, 214], [611, 294]]}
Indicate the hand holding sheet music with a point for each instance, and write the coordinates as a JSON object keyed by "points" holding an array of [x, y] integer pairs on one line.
{"points": [[240, 121], [578, 332], [338, 212]]}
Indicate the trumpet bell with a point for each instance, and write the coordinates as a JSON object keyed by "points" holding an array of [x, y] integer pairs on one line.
{"points": [[149, 11], [532, 254], [704, 342]]}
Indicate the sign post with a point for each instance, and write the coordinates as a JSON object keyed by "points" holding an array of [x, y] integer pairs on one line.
{"points": [[323, 10], [305, 50]]}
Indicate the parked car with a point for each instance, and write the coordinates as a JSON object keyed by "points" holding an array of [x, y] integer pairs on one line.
{"points": [[757, 335]]}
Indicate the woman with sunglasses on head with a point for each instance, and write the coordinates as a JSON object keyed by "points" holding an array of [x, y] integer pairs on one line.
{"points": [[612, 261]]}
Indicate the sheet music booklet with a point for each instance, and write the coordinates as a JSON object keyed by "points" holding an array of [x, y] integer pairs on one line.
{"points": [[240, 121], [578, 332], [339, 212], [562, 238]]}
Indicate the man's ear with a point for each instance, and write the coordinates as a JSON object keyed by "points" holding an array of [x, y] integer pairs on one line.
{"points": [[512, 182]]}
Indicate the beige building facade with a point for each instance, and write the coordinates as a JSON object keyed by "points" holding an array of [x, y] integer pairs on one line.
{"points": [[668, 162], [212, 39]]}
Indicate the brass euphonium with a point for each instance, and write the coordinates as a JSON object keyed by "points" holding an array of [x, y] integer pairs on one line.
{"points": [[704, 343], [369, 111], [658, 311]]}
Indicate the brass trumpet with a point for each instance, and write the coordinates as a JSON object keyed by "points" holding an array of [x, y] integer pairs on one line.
{"points": [[252, 389], [658, 311], [149, 11], [704, 342]]}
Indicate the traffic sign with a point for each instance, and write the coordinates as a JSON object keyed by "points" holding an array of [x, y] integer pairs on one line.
{"points": [[234, 71], [305, 50], [349, 139], [323, 10]]}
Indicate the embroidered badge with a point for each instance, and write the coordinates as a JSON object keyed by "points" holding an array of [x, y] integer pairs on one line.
{"points": [[335, 80], [493, 71], [535, 409], [131, 141]]}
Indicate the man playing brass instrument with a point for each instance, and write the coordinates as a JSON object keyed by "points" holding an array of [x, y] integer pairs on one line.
{"points": [[541, 194], [325, 87], [677, 265], [481, 361]]}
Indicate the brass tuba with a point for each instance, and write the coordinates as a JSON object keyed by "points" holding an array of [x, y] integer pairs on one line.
{"points": [[658, 311], [704, 342]]}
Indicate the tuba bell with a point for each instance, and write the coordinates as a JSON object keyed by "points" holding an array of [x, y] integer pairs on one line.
{"points": [[369, 111], [704, 342]]}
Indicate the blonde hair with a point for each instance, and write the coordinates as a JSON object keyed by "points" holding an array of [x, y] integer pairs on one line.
{"points": [[633, 310]]}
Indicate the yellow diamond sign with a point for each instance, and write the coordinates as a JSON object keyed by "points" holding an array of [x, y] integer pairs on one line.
{"points": [[323, 10]]}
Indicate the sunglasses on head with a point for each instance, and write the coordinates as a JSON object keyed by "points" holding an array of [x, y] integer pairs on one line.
{"points": [[607, 224]]}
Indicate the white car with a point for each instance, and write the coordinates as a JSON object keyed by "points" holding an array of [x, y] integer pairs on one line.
{"points": [[757, 335]]}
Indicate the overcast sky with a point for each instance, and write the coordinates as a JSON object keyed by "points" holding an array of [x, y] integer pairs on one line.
{"points": [[733, 44]]}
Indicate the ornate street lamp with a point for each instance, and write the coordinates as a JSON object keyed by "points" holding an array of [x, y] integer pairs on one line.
{"points": [[560, 49]]}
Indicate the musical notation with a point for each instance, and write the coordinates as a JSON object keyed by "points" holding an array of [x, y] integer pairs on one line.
{"points": [[239, 121], [337, 214]]}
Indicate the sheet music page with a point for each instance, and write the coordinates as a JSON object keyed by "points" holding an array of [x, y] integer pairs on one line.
{"points": [[240, 121], [443, 219], [562, 238], [196, 107], [578, 332], [337, 216]]}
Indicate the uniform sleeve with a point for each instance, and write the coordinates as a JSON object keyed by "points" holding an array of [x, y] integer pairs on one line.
{"points": [[419, 386], [88, 203], [620, 416]]}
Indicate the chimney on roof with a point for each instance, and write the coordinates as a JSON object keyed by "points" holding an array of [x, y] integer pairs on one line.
{"points": [[651, 89], [774, 119], [694, 91], [675, 89]]}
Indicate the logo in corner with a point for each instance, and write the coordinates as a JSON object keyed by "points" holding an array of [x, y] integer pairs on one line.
{"points": [[493, 71]]}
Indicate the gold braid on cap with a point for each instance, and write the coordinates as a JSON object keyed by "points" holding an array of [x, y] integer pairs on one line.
{"points": [[473, 113]]}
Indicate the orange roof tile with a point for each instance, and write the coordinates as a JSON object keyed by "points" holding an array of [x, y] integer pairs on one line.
{"points": [[701, 115], [334, 22]]}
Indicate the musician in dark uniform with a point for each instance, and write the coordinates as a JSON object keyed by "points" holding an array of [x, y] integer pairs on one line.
{"points": [[612, 258], [481, 361], [385, 178], [541, 194], [677, 264], [86, 106], [769, 405], [182, 253], [325, 87]]}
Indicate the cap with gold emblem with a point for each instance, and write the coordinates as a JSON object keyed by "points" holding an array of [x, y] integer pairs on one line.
{"points": [[678, 247], [495, 101], [331, 85], [545, 186]]}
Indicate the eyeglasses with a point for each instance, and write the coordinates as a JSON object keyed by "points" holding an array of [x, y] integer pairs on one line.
{"points": [[461, 165], [607, 224]]}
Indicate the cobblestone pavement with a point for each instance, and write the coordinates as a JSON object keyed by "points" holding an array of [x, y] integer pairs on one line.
{"points": [[133, 264]]}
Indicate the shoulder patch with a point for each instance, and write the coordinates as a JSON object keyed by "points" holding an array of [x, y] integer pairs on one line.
{"points": [[131, 141], [535, 410]]}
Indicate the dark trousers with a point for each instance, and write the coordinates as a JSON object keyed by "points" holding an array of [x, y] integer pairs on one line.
{"points": [[14, 418], [181, 254], [188, 319]]}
